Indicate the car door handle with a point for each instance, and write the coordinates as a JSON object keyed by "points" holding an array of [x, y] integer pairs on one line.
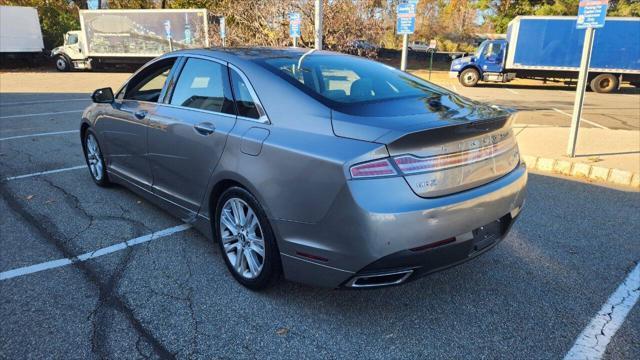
{"points": [[205, 128], [140, 114]]}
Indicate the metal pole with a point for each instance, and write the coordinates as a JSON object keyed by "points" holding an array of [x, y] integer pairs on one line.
{"points": [[223, 42], [318, 25], [405, 45], [431, 63], [295, 41], [580, 90]]}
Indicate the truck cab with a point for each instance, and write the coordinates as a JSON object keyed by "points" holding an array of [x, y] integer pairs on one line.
{"points": [[486, 64], [70, 54]]}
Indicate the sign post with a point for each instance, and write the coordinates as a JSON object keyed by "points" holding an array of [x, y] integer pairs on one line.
{"points": [[167, 31], [295, 22], [591, 15], [406, 24], [223, 30]]}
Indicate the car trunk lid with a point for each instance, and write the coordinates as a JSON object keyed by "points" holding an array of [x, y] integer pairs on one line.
{"points": [[443, 146]]}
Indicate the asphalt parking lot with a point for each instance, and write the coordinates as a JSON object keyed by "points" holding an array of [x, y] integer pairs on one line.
{"points": [[157, 289]]}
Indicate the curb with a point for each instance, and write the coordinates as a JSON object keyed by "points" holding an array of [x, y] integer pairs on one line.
{"points": [[583, 171]]}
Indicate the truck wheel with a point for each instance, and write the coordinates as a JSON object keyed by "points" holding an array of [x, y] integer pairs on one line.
{"points": [[469, 77], [62, 64], [604, 83]]}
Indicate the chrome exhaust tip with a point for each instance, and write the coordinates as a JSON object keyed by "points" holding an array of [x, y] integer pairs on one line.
{"points": [[377, 280]]}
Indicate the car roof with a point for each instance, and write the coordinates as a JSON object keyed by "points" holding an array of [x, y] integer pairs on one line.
{"points": [[251, 53]]}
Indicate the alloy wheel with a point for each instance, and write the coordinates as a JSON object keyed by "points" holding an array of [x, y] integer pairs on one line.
{"points": [[242, 238], [94, 158]]}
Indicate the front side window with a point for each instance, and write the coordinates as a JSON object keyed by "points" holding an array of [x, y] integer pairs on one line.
{"points": [[148, 83], [247, 106], [204, 85], [72, 39], [348, 80]]}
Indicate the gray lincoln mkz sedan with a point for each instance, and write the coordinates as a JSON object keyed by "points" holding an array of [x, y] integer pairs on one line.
{"points": [[334, 170]]}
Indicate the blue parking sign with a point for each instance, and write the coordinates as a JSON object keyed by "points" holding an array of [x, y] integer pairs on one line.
{"points": [[295, 22], [406, 18], [592, 13]]}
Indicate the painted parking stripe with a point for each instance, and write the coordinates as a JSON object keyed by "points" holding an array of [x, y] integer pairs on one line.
{"points": [[40, 114], [45, 172], [42, 101], [93, 254], [593, 341], [40, 134], [581, 119]]}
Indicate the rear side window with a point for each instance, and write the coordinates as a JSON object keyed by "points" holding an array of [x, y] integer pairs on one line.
{"points": [[148, 83], [244, 101], [204, 84]]}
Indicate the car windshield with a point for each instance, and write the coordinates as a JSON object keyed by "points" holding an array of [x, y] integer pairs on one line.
{"points": [[348, 80], [480, 48]]}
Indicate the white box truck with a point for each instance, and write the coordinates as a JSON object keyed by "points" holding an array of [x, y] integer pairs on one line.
{"points": [[20, 34], [120, 37]]}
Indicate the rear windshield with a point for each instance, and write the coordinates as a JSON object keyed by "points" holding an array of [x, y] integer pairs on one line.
{"points": [[348, 80]]}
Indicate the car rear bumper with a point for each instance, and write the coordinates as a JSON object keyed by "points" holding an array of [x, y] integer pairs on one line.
{"points": [[380, 226]]}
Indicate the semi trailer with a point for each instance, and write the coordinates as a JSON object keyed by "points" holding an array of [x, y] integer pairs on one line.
{"points": [[122, 37], [549, 48]]}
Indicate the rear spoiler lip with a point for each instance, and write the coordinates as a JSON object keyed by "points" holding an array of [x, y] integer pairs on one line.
{"points": [[480, 126]]}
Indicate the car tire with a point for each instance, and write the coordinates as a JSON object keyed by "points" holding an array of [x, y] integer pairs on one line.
{"points": [[604, 83], [246, 239], [469, 77], [95, 160], [62, 63]]}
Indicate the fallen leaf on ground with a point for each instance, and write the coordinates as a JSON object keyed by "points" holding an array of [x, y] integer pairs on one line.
{"points": [[282, 331], [29, 197]]}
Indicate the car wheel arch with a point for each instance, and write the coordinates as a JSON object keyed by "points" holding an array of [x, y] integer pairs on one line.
{"points": [[226, 181], [84, 126], [471, 66]]}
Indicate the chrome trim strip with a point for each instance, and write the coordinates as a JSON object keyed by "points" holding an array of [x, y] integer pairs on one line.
{"points": [[198, 110], [263, 119]]}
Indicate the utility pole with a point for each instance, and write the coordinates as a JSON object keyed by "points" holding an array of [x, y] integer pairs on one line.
{"points": [[318, 25]]}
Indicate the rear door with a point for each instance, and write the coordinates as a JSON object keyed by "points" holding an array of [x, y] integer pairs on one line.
{"points": [[188, 132]]}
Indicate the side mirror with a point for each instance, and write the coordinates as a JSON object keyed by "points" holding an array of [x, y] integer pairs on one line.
{"points": [[103, 96]]}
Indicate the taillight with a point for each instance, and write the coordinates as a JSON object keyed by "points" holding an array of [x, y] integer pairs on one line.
{"points": [[373, 169], [409, 164]]}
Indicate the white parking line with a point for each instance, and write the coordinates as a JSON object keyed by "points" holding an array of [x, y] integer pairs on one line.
{"points": [[593, 341], [581, 119], [42, 101], [40, 114], [45, 172], [91, 255], [512, 91], [40, 134]]}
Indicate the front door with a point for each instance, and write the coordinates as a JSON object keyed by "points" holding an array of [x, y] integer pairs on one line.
{"points": [[188, 133], [493, 56], [125, 126]]}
